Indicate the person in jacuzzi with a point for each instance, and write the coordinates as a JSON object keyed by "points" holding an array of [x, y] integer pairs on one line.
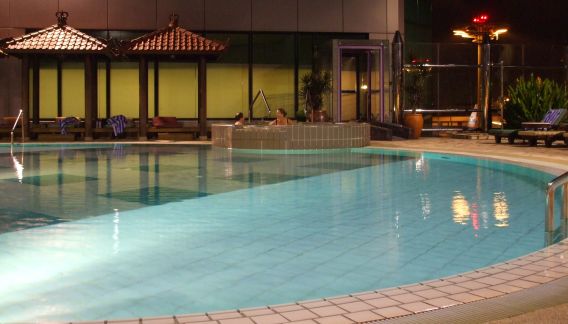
{"points": [[281, 118], [239, 119]]}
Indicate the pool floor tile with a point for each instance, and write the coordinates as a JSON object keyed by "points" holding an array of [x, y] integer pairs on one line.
{"points": [[442, 302], [452, 289], [487, 293], [382, 302], [465, 297], [522, 283], [490, 281], [243, 320], [407, 298], [430, 293], [315, 304], [328, 311], [538, 278], [472, 285], [225, 315], [286, 308], [299, 315], [192, 318], [393, 311], [418, 307], [269, 319], [506, 288], [334, 320], [364, 316]]}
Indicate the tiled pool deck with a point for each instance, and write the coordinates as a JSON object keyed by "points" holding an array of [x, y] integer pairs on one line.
{"points": [[523, 274]]}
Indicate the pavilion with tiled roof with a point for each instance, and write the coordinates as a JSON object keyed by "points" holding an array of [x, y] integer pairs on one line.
{"points": [[57, 40], [178, 43]]}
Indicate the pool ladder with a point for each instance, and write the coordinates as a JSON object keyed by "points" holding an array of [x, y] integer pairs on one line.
{"points": [[14, 127], [561, 180]]}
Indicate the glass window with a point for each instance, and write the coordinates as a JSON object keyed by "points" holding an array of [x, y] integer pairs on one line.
{"points": [[273, 72]]}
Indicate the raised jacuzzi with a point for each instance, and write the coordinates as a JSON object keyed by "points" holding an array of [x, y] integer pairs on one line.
{"points": [[292, 137]]}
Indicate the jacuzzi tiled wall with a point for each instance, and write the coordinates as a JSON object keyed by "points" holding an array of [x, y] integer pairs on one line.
{"points": [[300, 136]]}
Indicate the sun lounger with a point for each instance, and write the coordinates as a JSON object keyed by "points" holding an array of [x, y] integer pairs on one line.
{"points": [[545, 130], [534, 131], [548, 136], [510, 134]]}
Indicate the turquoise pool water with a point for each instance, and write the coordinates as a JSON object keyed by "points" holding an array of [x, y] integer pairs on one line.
{"points": [[101, 232]]}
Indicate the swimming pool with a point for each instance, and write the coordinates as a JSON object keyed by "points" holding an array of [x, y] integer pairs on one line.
{"points": [[125, 231]]}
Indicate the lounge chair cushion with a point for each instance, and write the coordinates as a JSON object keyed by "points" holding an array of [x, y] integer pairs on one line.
{"points": [[160, 121]]}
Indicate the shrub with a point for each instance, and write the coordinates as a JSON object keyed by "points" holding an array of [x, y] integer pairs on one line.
{"points": [[530, 99]]}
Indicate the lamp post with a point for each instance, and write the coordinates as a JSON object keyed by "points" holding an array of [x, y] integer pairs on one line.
{"points": [[482, 33]]}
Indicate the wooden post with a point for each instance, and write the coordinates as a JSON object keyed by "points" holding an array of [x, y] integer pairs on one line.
{"points": [[35, 93], [59, 87], [26, 96], [202, 98], [143, 98], [89, 96]]}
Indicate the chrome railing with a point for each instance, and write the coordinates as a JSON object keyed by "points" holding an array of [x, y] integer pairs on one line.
{"points": [[14, 127], [561, 180], [268, 110]]}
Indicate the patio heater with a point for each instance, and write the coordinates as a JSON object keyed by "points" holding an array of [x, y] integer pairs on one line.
{"points": [[482, 33]]}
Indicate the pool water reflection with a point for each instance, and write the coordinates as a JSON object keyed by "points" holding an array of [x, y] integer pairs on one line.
{"points": [[135, 231]]}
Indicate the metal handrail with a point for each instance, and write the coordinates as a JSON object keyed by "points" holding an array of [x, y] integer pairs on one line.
{"points": [[259, 93], [561, 180], [14, 127]]}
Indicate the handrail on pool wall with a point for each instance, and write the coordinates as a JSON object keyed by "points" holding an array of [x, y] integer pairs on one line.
{"points": [[561, 180], [14, 127]]}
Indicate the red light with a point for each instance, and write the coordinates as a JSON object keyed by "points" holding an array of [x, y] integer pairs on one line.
{"points": [[481, 19]]}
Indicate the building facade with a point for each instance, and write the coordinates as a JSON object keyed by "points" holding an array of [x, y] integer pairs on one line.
{"points": [[272, 44]]}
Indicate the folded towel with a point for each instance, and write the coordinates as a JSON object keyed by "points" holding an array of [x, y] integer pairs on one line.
{"points": [[118, 124], [66, 122]]}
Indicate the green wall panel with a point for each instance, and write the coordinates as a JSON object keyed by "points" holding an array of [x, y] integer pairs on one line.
{"points": [[73, 89], [178, 90], [227, 90]]}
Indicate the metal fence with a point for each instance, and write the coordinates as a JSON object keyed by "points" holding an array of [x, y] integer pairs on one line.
{"points": [[451, 87]]}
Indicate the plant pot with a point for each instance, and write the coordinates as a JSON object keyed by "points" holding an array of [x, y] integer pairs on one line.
{"points": [[318, 116], [415, 122]]}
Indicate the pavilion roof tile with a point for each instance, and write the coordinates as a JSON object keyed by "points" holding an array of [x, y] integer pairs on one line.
{"points": [[173, 40], [56, 39]]}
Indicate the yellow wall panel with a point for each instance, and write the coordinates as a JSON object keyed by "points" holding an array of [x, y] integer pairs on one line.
{"points": [[178, 90], [227, 90], [277, 81], [124, 89], [73, 89], [48, 90]]}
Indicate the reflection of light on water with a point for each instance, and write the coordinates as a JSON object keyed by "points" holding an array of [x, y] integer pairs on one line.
{"points": [[426, 205], [396, 222], [19, 169], [116, 232], [500, 209], [419, 166], [475, 216], [460, 207]]}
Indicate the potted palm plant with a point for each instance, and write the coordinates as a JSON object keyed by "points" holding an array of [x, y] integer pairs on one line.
{"points": [[314, 86], [417, 76]]}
